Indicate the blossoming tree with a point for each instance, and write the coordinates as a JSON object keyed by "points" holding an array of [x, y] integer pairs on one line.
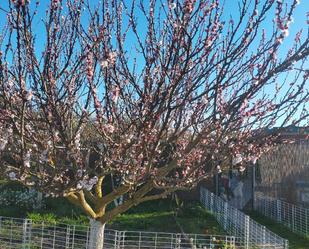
{"points": [[159, 93]]}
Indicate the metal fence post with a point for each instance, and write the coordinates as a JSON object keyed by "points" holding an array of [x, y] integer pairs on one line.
{"points": [[119, 239], [87, 238], [29, 230], [25, 234], [234, 219], [156, 241], [225, 215], [73, 237], [42, 235], [211, 202], [264, 236], [67, 237], [54, 237], [11, 233], [139, 240], [233, 241], [123, 238], [278, 204], [286, 244], [178, 241], [293, 218], [253, 186], [247, 231], [115, 239], [306, 222], [264, 207]]}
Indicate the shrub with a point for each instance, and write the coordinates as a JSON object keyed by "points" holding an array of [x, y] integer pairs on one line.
{"points": [[12, 186], [48, 218], [61, 207], [13, 212], [24, 198]]}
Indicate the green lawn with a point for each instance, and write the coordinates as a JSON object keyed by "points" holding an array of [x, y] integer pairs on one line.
{"points": [[159, 216], [295, 241], [150, 216]]}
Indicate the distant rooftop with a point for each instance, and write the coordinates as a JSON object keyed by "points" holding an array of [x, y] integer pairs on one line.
{"points": [[291, 132]]}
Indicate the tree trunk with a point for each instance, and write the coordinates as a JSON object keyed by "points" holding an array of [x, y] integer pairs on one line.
{"points": [[96, 237]]}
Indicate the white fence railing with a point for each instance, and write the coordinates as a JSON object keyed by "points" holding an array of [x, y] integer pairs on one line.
{"points": [[294, 217], [25, 234], [250, 233]]}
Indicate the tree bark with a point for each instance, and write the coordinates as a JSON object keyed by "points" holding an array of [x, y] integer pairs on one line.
{"points": [[96, 238]]}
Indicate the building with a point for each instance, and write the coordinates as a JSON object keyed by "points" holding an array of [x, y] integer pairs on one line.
{"points": [[284, 172]]}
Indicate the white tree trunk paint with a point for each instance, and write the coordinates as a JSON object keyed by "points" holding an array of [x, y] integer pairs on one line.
{"points": [[96, 237]]}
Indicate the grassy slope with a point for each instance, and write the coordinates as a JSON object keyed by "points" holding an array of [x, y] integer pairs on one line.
{"points": [[159, 216], [149, 216], [295, 241]]}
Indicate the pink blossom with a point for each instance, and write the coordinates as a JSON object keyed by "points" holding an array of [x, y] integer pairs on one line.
{"points": [[298, 35], [115, 94], [77, 141], [237, 159], [219, 169], [6, 134], [89, 66], [104, 64], [27, 157], [254, 159], [242, 169], [12, 176], [44, 156], [280, 40], [225, 140], [189, 5], [29, 95], [112, 57], [87, 183], [255, 82], [172, 6], [285, 32], [109, 128]]}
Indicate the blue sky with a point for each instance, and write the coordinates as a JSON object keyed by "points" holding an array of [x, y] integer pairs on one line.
{"points": [[230, 9]]}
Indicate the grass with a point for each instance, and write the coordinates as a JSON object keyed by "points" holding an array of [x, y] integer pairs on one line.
{"points": [[196, 219], [149, 216], [160, 216], [156, 221], [295, 241]]}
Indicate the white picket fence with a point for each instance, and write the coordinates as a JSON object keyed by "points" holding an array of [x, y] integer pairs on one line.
{"points": [[294, 217], [25, 234], [249, 233]]}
